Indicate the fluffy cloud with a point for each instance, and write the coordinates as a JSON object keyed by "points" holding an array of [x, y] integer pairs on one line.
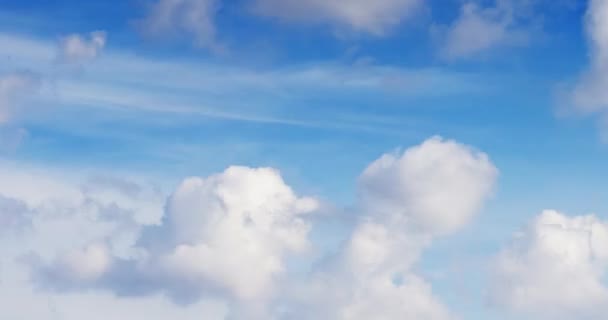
{"points": [[480, 29], [371, 17], [556, 268], [195, 18], [242, 217], [230, 236], [62, 214], [372, 278], [78, 49], [436, 187], [14, 86], [407, 199], [227, 235], [590, 94]]}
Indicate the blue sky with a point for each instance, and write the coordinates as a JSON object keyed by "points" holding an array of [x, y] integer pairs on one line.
{"points": [[438, 133]]}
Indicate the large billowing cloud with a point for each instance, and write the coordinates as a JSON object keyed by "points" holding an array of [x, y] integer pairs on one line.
{"points": [[555, 268], [591, 93], [81, 225], [406, 200], [232, 231], [371, 17], [226, 235], [230, 235]]}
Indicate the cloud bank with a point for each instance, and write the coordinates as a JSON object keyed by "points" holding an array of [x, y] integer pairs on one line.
{"points": [[230, 236]]}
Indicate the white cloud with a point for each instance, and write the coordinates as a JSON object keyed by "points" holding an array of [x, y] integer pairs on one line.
{"points": [[13, 86], [480, 29], [407, 200], [242, 217], [77, 225], [372, 278], [556, 268], [194, 18], [79, 49], [224, 236], [436, 187], [229, 236], [371, 17]]}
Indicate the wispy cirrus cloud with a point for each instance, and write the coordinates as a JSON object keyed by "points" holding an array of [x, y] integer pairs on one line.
{"points": [[120, 80]]}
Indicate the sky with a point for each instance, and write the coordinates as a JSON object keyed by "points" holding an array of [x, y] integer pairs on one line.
{"points": [[303, 159]]}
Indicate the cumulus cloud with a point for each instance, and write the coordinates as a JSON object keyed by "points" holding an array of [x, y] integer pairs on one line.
{"points": [[79, 49], [230, 235], [242, 217], [480, 29], [590, 95], [556, 267], [372, 277], [370, 17], [63, 216], [14, 87], [194, 18], [406, 199], [227, 234], [420, 185], [79, 227]]}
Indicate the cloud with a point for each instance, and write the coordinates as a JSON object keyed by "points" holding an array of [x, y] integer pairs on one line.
{"points": [[79, 49], [419, 185], [242, 217], [406, 200], [480, 29], [226, 235], [589, 95], [13, 87], [230, 235], [556, 267], [193, 18], [370, 17]]}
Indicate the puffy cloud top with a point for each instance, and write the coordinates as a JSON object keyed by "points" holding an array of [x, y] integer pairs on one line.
{"points": [[437, 186], [406, 200], [234, 229]]}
